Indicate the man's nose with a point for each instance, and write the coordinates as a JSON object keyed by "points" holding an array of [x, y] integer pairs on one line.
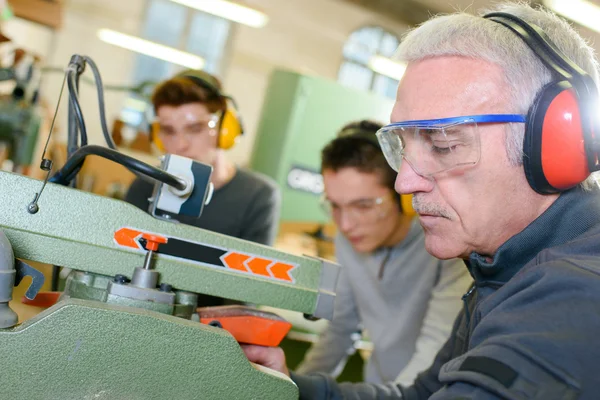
{"points": [[408, 181], [345, 221], [181, 141]]}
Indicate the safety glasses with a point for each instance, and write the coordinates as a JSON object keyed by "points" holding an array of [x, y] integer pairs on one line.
{"points": [[437, 145], [361, 210]]}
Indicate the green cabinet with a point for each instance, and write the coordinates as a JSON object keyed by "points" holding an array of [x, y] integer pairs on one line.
{"points": [[299, 116]]}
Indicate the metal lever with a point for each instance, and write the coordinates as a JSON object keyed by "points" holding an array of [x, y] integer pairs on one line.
{"points": [[37, 278]]}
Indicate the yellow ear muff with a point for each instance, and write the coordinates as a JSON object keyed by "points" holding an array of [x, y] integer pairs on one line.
{"points": [[406, 204], [230, 127], [155, 139]]}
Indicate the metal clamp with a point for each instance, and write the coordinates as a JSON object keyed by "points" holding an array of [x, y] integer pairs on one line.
{"points": [[37, 278], [326, 297]]}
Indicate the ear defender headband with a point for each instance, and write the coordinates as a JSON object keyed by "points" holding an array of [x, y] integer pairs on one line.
{"points": [[559, 149], [405, 201], [230, 126]]}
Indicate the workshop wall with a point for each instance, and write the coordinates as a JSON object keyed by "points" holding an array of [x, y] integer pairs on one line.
{"points": [[306, 36], [32, 37], [302, 35], [82, 19]]}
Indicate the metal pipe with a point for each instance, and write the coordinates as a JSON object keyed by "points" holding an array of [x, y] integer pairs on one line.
{"points": [[8, 317]]}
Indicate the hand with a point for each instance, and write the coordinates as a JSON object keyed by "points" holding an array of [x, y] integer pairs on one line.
{"points": [[270, 357]]}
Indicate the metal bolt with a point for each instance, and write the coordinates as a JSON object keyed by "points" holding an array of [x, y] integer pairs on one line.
{"points": [[148, 259], [122, 279], [46, 164], [151, 243], [33, 208]]}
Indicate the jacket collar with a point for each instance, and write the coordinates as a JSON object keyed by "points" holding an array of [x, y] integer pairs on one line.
{"points": [[572, 214]]}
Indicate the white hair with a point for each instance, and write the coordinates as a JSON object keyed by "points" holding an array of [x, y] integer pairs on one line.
{"points": [[467, 35]]}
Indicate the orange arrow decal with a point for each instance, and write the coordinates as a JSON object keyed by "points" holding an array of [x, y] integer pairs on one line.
{"points": [[282, 271], [127, 237], [190, 251], [259, 266], [236, 261]]}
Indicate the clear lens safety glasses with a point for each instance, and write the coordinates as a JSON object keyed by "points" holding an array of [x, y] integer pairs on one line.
{"points": [[434, 146]]}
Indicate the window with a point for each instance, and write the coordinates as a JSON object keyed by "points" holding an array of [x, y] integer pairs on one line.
{"points": [[360, 47], [179, 27]]}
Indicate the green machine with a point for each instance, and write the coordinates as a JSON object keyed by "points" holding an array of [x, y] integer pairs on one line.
{"points": [[300, 115], [20, 121], [126, 326]]}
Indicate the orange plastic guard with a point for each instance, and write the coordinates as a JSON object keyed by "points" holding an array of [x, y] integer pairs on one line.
{"points": [[43, 299], [247, 325]]}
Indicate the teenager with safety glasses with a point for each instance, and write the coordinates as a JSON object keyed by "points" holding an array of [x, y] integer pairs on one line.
{"points": [[390, 289], [494, 134], [195, 119]]}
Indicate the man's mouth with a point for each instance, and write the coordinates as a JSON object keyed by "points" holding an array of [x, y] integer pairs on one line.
{"points": [[355, 239], [428, 215]]}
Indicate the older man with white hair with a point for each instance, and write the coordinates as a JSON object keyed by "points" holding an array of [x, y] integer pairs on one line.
{"points": [[494, 135]]}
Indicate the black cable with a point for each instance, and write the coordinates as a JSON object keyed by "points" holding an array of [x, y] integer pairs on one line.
{"points": [[74, 100], [78, 154], [73, 164], [100, 90], [72, 129]]}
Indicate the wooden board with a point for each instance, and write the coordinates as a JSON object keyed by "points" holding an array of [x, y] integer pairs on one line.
{"points": [[45, 12]]}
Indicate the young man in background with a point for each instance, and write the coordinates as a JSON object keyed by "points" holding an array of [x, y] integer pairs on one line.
{"points": [[389, 285], [195, 119]]}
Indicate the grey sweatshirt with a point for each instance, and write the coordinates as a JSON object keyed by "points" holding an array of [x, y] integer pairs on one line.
{"points": [[247, 207], [530, 326], [407, 314]]}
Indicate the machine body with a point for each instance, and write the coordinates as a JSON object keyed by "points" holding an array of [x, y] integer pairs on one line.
{"points": [[126, 325]]}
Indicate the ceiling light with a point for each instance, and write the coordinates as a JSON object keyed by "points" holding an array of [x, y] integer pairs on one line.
{"points": [[151, 49], [387, 67], [580, 11], [228, 10]]}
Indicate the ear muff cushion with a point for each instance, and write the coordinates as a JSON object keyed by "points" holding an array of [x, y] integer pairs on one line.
{"points": [[406, 205], [554, 140], [230, 128], [154, 138]]}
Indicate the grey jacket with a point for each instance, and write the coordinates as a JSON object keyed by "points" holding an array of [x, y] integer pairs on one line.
{"points": [[530, 326], [404, 298]]}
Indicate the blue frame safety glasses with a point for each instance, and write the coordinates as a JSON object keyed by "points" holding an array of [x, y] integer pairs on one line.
{"points": [[437, 145]]}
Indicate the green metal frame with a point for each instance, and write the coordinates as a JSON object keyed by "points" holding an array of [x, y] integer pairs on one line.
{"points": [[76, 229], [89, 350], [95, 346]]}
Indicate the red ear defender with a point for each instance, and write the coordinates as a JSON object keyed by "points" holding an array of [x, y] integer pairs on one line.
{"points": [[554, 146], [564, 162], [559, 149]]}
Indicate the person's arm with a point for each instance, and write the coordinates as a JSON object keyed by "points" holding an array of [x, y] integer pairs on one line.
{"points": [[262, 221], [530, 345], [324, 387], [444, 305], [330, 353]]}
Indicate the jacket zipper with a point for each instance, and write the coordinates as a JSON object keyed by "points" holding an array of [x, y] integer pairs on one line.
{"points": [[465, 298]]}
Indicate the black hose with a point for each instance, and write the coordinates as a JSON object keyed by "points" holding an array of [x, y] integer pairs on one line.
{"points": [[101, 104], [72, 129], [73, 164], [74, 101]]}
